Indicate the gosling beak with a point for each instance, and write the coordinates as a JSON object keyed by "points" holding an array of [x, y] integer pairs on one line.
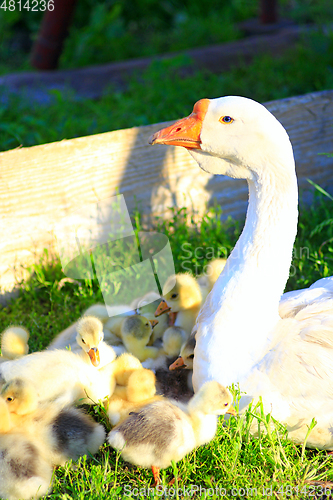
{"points": [[93, 354], [153, 322], [232, 411], [185, 132], [179, 363], [162, 308]]}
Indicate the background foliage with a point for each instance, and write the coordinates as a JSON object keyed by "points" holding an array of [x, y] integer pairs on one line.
{"points": [[163, 92], [105, 31]]}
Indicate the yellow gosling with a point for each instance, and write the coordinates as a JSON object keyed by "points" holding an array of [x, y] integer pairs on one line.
{"points": [[184, 299], [186, 357], [90, 338], [14, 343], [64, 432], [136, 332], [140, 390], [165, 431]]}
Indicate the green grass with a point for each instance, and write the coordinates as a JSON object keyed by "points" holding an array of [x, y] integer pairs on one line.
{"points": [[231, 465], [234, 459], [163, 93]]}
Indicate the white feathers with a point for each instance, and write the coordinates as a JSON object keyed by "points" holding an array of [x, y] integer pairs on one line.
{"points": [[240, 335], [116, 439]]}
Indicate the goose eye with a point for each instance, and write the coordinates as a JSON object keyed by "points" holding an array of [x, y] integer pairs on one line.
{"points": [[147, 324], [9, 399], [191, 356], [83, 341], [226, 404], [226, 119], [174, 295]]}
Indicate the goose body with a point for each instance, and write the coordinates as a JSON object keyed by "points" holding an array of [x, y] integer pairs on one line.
{"points": [[287, 360]]}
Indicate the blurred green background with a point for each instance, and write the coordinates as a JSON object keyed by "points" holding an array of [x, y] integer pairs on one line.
{"points": [[113, 30]]}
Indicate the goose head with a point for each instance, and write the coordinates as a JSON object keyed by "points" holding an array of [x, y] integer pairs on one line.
{"points": [[89, 336], [232, 136]]}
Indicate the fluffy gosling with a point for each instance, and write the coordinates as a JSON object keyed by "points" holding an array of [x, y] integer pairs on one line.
{"points": [[164, 431]]}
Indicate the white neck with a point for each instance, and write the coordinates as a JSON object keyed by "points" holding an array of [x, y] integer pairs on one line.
{"points": [[240, 313]]}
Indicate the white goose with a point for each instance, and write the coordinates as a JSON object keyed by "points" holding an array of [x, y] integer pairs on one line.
{"points": [[289, 361]]}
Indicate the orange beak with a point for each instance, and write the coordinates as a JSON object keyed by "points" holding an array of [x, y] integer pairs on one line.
{"points": [[162, 308], [185, 132], [153, 322], [232, 411], [179, 363], [93, 354]]}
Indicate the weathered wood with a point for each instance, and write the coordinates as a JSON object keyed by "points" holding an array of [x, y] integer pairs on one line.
{"points": [[43, 184]]}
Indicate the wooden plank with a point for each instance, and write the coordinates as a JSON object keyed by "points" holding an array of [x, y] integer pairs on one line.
{"points": [[43, 184]]}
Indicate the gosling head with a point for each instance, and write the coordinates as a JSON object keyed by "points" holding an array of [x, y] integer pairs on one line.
{"points": [[186, 356], [137, 327], [185, 294], [89, 336], [5, 421], [20, 396], [187, 352], [212, 399]]}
